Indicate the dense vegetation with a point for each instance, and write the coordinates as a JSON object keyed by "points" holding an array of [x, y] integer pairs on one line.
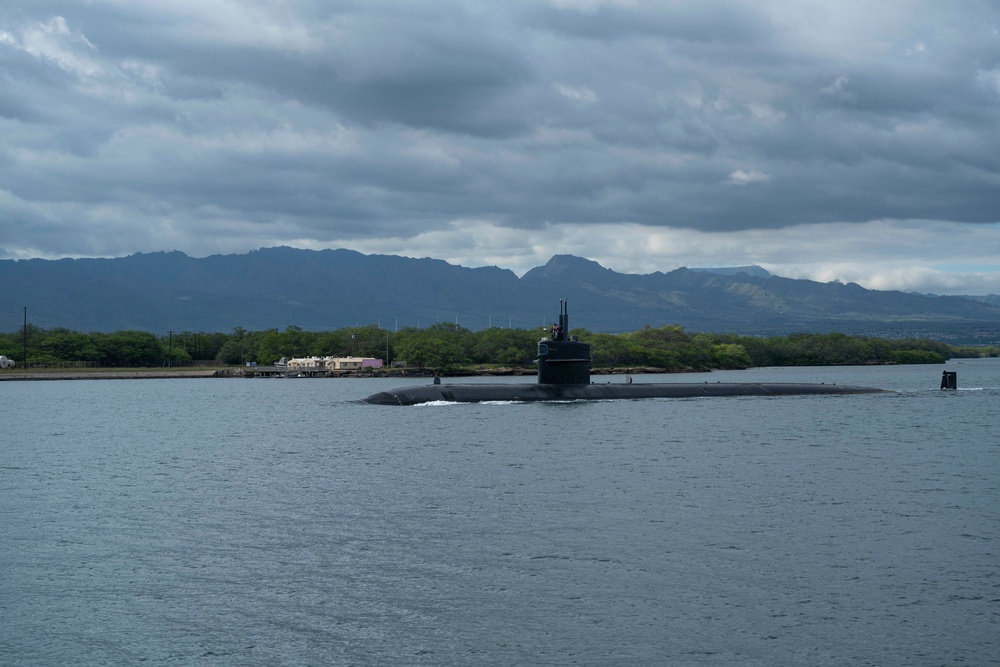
{"points": [[446, 346]]}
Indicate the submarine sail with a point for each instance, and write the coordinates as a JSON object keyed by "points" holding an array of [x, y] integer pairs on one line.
{"points": [[562, 360]]}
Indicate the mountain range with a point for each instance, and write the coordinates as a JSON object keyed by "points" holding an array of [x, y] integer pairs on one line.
{"points": [[331, 289]]}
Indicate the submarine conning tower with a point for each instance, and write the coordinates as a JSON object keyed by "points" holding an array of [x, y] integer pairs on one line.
{"points": [[561, 359]]}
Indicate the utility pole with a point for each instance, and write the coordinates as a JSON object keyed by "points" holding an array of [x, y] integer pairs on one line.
{"points": [[170, 359], [24, 352]]}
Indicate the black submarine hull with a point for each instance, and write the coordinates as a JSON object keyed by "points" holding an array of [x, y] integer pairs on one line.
{"points": [[479, 393]]}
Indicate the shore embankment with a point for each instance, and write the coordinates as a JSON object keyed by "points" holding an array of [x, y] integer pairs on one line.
{"points": [[106, 374], [265, 372], [42, 374]]}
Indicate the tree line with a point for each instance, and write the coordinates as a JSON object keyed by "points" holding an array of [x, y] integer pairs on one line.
{"points": [[448, 347]]}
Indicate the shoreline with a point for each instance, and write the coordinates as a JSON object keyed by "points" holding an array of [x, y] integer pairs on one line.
{"points": [[14, 375], [104, 374]]}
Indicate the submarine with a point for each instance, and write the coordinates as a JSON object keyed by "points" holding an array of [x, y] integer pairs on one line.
{"points": [[564, 375]]}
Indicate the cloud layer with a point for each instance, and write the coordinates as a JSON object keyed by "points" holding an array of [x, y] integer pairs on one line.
{"points": [[851, 140]]}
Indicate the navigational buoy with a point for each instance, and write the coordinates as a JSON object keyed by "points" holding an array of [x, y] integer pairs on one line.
{"points": [[949, 380]]}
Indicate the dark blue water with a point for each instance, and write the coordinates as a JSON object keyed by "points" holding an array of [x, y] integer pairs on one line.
{"points": [[245, 522]]}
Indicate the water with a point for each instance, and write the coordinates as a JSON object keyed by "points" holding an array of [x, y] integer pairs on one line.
{"points": [[245, 522]]}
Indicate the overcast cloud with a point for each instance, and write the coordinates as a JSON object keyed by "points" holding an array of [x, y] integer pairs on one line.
{"points": [[853, 141]]}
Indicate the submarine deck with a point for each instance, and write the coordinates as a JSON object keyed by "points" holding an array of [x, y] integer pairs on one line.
{"points": [[478, 393]]}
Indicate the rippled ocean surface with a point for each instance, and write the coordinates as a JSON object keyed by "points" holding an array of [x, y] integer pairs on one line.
{"points": [[247, 522]]}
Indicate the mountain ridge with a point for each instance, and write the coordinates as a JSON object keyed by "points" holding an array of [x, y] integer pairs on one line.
{"points": [[334, 288]]}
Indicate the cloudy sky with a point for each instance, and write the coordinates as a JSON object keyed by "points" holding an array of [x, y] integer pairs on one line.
{"points": [[850, 140]]}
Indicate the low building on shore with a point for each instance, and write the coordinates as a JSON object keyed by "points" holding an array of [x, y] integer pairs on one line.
{"points": [[314, 364], [306, 363], [352, 363]]}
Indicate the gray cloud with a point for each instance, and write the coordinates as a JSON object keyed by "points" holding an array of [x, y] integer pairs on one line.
{"points": [[216, 127]]}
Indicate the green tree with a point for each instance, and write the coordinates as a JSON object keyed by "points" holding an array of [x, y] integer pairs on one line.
{"points": [[730, 356], [129, 349], [174, 351], [430, 351], [238, 348], [508, 347], [917, 357]]}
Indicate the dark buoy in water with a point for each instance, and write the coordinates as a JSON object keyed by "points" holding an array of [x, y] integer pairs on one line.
{"points": [[564, 375], [949, 380]]}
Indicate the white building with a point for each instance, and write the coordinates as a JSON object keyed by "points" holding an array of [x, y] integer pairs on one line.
{"points": [[333, 363], [307, 363]]}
